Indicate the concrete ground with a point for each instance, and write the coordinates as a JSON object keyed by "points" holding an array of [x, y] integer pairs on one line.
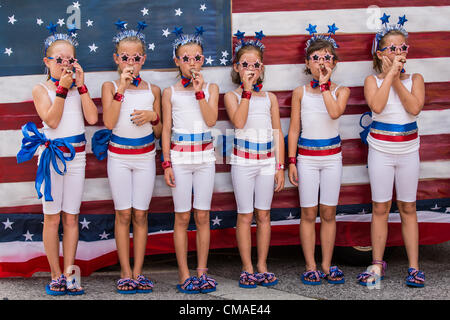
{"points": [[286, 262]]}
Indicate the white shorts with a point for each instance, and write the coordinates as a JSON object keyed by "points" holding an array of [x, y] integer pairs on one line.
{"points": [[319, 175], [67, 190], [385, 168], [197, 178], [253, 187], [131, 182]]}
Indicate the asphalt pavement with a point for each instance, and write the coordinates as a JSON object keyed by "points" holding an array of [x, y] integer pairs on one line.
{"points": [[286, 262]]}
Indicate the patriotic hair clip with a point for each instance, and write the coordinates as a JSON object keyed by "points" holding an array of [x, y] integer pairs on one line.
{"points": [[69, 37], [250, 42], [182, 39], [124, 33], [312, 31], [385, 28]]}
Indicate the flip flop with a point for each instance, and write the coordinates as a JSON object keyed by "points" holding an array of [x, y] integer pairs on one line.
{"points": [[189, 286], [335, 272], [413, 276], [126, 282], [57, 284], [269, 276], [312, 277], [144, 282], [247, 277]]}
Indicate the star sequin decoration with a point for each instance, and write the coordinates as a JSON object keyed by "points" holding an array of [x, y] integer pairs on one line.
{"points": [[259, 35], [239, 35], [332, 29], [178, 31], [199, 31], [311, 29], [385, 18], [402, 20], [120, 24], [51, 28]]}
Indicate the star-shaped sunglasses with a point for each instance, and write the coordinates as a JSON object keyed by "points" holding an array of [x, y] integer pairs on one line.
{"points": [[326, 57], [245, 65], [64, 61], [393, 48], [137, 58], [198, 58]]}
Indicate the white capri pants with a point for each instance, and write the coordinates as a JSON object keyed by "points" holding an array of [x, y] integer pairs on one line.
{"points": [[67, 190], [322, 175], [385, 168], [197, 178], [253, 187], [131, 182]]}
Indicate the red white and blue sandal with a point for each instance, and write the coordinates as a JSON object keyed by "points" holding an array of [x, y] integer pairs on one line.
{"points": [[335, 273], [269, 276], [144, 283], [363, 277], [189, 286], [245, 278], [207, 284], [413, 276], [74, 288], [126, 282], [312, 277], [59, 284]]}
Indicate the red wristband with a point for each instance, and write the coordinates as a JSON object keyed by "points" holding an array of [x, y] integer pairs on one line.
{"points": [[166, 164], [118, 97], [199, 95], [82, 90], [155, 122], [246, 94], [280, 166], [292, 160], [324, 87], [61, 92]]}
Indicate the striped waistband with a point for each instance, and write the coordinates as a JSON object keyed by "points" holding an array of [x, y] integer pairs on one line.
{"points": [[394, 132], [252, 150], [191, 142], [122, 145], [319, 147], [78, 142]]}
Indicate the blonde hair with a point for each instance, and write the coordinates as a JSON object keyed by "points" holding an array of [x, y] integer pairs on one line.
{"points": [[49, 50], [129, 39], [235, 77]]}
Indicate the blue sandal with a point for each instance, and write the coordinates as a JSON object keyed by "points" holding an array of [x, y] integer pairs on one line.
{"points": [[247, 277], [144, 282], [59, 284], [335, 272], [126, 282], [413, 276], [270, 277], [207, 284], [74, 288], [313, 277], [363, 277], [189, 286]]}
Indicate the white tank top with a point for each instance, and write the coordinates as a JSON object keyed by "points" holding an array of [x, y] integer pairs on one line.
{"points": [[72, 119], [257, 129], [187, 118], [394, 113], [125, 128], [316, 122]]}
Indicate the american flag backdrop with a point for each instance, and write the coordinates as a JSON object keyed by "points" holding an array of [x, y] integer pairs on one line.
{"points": [[283, 22]]}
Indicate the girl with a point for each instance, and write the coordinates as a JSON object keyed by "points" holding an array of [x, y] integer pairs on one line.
{"points": [[395, 99], [63, 109], [190, 109], [131, 109], [257, 159], [315, 111]]}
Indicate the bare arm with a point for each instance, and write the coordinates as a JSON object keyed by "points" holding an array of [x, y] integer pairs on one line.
{"points": [[336, 107], [412, 101], [294, 132], [209, 108]]}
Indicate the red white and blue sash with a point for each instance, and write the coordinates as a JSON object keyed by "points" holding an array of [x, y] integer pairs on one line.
{"points": [[253, 150], [394, 132], [191, 142], [319, 147]]}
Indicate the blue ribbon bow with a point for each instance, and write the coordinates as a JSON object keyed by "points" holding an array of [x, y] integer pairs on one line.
{"points": [[100, 141], [30, 143], [366, 129]]}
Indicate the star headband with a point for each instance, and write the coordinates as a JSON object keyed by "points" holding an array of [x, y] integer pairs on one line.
{"points": [[124, 33], [312, 31], [182, 39], [250, 42], [69, 37], [386, 27]]}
